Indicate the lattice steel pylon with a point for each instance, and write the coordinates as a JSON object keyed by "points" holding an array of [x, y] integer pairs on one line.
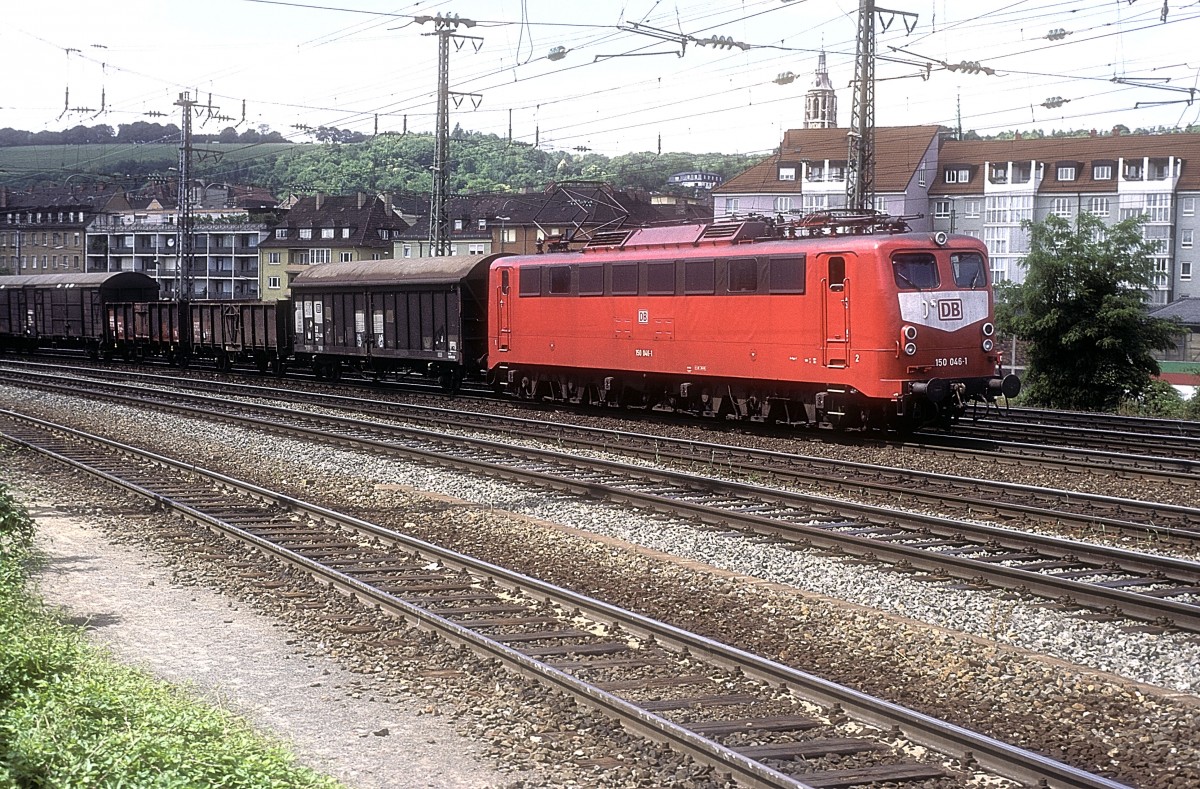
{"points": [[439, 217], [183, 230], [444, 27], [860, 162]]}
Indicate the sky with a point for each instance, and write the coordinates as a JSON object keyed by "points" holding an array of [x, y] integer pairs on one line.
{"points": [[636, 75]]}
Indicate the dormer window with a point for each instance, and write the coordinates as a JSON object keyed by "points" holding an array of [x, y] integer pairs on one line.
{"points": [[1066, 173], [483, 224], [458, 224], [999, 174], [281, 232], [306, 234], [345, 232], [1133, 171], [327, 232], [787, 173], [957, 175]]}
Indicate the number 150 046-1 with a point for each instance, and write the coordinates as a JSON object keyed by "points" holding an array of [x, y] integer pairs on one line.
{"points": [[953, 361]]}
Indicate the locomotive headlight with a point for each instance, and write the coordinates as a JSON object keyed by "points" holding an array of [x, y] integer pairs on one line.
{"points": [[988, 330], [987, 344], [910, 348], [910, 332]]}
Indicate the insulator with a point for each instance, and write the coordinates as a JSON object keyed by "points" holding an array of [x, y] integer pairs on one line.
{"points": [[1057, 34]]}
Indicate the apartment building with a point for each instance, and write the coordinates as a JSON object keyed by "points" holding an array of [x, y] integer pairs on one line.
{"points": [[808, 174], [324, 228], [987, 188]]}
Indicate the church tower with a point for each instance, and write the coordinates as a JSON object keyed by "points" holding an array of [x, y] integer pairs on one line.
{"points": [[820, 103]]}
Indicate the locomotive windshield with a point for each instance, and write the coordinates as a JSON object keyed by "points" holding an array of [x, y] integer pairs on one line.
{"points": [[915, 271], [969, 270]]}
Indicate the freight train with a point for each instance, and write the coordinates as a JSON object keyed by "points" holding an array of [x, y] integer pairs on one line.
{"points": [[846, 322]]}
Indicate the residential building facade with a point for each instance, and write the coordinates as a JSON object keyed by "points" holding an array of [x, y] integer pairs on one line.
{"points": [[988, 188], [325, 229], [808, 175]]}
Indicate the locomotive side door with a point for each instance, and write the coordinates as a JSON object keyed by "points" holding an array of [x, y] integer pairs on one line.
{"points": [[835, 308], [503, 308]]}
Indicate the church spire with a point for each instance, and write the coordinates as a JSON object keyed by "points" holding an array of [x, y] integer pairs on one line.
{"points": [[820, 103]]}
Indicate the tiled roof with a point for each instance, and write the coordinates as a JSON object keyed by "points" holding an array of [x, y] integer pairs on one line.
{"points": [[1187, 310], [364, 215], [898, 154], [1081, 150]]}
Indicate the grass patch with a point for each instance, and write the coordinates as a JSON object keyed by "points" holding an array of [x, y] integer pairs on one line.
{"points": [[72, 717]]}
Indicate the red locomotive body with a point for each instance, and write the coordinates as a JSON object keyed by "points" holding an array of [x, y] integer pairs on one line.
{"points": [[874, 328]]}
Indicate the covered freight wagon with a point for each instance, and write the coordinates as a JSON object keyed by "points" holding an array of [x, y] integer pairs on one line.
{"points": [[65, 310], [421, 315]]}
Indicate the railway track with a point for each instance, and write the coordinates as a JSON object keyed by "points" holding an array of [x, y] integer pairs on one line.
{"points": [[1076, 514], [760, 722], [1164, 439], [1156, 589]]}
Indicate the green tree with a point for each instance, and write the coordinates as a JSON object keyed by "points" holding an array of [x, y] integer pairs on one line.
{"points": [[1082, 314]]}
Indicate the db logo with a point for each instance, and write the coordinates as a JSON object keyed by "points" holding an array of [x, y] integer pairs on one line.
{"points": [[950, 309]]}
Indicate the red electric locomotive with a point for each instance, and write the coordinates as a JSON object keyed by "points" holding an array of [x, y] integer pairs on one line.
{"points": [[813, 323]]}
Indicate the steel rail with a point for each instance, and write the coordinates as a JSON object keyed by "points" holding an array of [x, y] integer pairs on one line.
{"points": [[1008, 760], [1157, 610], [737, 459]]}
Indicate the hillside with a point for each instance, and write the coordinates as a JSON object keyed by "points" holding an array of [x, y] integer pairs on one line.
{"points": [[394, 163]]}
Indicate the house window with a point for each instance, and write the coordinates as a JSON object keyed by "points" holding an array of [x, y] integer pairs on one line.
{"points": [[320, 255], [1066, 173], [305, 233], [1098, 206], [345, 232], [327, 232], [281, 233], [273, 283], [1185, 238], [458, 224], [783, 204], [273, 258], [509, 235], [1133, 171], [787, 173], [1062, 207], [1187, 206], [1102, 172], [971, 209], [941, 209], [731, 204], [957, 175], [475, 249], [483, 224], [407, 250], [346, 257], [1185, 270]]}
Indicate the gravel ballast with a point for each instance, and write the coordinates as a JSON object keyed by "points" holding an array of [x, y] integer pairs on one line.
{"points": [[908, 649]]}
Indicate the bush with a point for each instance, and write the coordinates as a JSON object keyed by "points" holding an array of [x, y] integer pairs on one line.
{"points": [[1159, 399]]}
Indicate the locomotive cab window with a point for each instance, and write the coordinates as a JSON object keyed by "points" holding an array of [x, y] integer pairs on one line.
{"points": [[969, 269], [504, 281], [743, 275], [915, 271], [531, 281], [837, 273]]}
